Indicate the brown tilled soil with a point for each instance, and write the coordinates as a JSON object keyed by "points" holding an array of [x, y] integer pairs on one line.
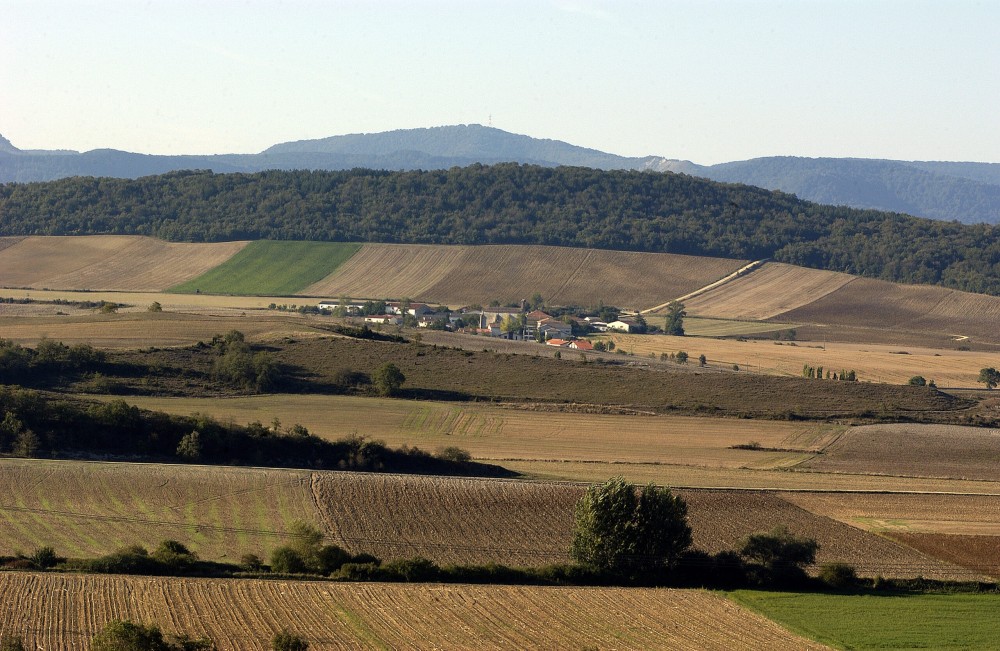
{"points": [[915, 450], [720, 520], [978, 553]]}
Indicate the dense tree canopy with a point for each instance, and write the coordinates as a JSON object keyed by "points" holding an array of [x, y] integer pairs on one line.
{"points": [[513, 204]]}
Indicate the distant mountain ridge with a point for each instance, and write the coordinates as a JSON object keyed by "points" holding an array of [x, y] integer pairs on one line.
{"points": [[967, 192]]}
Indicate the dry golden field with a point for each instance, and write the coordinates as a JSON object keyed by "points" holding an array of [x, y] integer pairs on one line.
{"points": [[770, 290], [88, 509], [108, 262], [915, 450], [140, 301], [894, 364], [463, 275], [244, 614], [132, 330], [505, 434]]}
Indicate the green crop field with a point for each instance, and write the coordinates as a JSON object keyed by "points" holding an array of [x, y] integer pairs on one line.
{"points": [[271, 267], [891, 621]]}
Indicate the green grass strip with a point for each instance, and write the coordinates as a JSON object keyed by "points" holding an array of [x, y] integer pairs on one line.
{"points": [[272, 268], [891, 621]]}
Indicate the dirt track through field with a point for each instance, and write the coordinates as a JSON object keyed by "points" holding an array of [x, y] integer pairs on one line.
{"points": [[463, 275], [108, 262], [65, 611]]}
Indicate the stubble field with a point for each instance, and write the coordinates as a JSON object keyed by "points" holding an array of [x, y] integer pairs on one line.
{"points": [[464, 275], [244, 614], [108, 262]]}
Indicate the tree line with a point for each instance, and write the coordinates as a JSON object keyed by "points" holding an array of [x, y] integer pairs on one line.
{"points": [[513, 204]]}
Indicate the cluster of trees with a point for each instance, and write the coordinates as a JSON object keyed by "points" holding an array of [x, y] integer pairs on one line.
{"points": [[513, 204], [239, 366], [816, 372], [33, 423], [990, 377]]}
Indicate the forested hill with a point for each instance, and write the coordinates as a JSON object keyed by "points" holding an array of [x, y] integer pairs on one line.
{"points": [[513, 204]]}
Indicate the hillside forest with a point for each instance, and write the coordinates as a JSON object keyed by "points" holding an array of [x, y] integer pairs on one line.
{"points": [[513, 204]]}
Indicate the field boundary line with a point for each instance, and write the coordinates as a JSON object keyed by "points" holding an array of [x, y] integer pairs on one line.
{"points": [[739, 273]]}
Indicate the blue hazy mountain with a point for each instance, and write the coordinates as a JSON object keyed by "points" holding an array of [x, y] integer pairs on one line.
{"points": [[967, 192]]}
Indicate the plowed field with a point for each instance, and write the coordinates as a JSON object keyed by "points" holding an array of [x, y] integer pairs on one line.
{"points": [[918, 308], [88, 509], [915, 450], [978, 553], [108, 262], [462, 275], [766, 292], [60, 612], [886, 512], [721, 519]]}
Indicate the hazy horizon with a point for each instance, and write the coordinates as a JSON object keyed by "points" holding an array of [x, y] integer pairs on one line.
{"points": [[708, 82]]}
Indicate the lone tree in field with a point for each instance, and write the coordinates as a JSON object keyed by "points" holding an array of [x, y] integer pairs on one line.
{"points": [[675, 319], [622, 530], [990, 377], [387, 379], [778, 556], [285, 641]]}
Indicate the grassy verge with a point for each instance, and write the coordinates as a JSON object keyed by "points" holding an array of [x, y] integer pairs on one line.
{"points": [[883, 621], [272, 267]]}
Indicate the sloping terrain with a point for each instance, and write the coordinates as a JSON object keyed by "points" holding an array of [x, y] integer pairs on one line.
{"points": [[65, 611], [767, 292], [107, 262], [462, 275], [890, 306]]}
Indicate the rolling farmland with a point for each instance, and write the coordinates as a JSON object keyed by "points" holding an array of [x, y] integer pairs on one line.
{"points": [[894, 364], [463, 275], [108, 262], [88, 509], [270, 267], [771, 290], [244, 614]]}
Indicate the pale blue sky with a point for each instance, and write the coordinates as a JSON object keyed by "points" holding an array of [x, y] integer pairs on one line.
{"points": [[704, 80]]}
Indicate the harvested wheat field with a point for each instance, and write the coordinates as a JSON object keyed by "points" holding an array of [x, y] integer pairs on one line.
{"points": [[108, 262], [894, 364], [766, 292], [140, 301], [916, 308], [915, 450], [134, 330], [502, 434], [907, 513], [464, 275], [448, 520], [245, 614], [87, 509], [721, 519]]}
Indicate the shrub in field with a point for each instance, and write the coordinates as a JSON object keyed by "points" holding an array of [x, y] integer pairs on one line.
{"points": [[839, 576], [128, 636], [251, 563], [412, 570], [778, 556], [174, 555], [624, 531], [387, 379], [917, 381], [12, 643], [189, 449], [285, 560], [453, 453], [44, 557], [990, 377], [359, 572], [285, 641]]}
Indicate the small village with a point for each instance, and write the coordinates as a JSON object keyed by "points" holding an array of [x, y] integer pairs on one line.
{"points": [[519, 323]]}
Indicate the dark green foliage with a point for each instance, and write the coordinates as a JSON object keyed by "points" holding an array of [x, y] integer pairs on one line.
{"points": [[285, 641], [286, 560], [251, 563], [387, 379], [702, 360], [127, 636], [513, 204], [675, 319], [239, 366], [990, 377], [189, 448], [175, 555], [454, 453], [410, 570], [778, 557], [12, 643], [44, 558], [839, 576], [917, 381], [621, 531], [682, 357]]}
